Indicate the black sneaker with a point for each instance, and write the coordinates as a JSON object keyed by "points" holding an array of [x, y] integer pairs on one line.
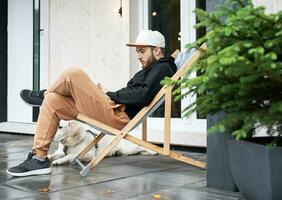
{"points": [[33, 98], [31, 166]]}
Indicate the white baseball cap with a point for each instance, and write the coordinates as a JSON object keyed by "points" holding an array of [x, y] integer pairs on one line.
{"points": [[149, 38]]}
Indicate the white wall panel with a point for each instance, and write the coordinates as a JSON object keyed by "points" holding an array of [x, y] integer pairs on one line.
{"points": [[270, 5], [88, 34], [20, 64], [44, 44]]}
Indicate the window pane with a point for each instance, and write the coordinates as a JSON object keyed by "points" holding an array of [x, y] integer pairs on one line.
{"points": [[164, 16], [200, 33]]}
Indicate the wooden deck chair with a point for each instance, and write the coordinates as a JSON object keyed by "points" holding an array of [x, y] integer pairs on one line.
{"points": [[165, 94]]}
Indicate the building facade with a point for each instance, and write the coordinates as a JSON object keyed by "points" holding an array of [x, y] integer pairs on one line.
{"points": [[45, 37]]}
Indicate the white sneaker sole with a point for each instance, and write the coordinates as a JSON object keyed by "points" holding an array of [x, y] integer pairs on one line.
{"points": [[32, 105], [33, 172]]}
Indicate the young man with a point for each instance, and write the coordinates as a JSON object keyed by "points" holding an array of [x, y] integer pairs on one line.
{"points": [[73, 92]]}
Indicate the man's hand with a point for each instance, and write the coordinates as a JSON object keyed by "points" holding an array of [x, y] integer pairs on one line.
{"points": [[102, 88]]}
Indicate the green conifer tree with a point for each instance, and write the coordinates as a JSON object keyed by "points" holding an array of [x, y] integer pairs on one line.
{"points": [[241, 70]]}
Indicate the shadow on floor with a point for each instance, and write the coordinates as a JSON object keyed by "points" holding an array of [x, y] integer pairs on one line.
{"points": [[136, 177]]}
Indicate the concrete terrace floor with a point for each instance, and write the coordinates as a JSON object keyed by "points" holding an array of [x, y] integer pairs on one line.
{"points": [[126, 178]]}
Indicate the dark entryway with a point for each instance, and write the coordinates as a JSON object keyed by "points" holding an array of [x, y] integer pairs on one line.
{"points": [[3, 59]]}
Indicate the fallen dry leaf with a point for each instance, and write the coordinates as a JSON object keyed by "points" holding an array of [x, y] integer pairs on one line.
{"points": [[109, 192], [44, 190], [157, 196]]}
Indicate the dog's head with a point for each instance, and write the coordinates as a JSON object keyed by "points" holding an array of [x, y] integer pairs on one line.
{"points": [[71, 134]]}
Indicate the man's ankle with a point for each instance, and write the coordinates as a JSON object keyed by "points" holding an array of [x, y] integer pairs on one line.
{"points": [[40, 154], [39, 158]]}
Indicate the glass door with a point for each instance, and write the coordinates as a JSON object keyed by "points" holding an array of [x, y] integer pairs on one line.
{"points": [[175, 19], [25, 56], [164, 16], [20, 58]]}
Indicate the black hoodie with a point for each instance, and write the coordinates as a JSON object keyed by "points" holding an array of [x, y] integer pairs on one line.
{"points": [[145, 84]]}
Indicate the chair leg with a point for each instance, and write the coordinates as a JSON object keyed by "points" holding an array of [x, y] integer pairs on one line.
{"points": [[188, 160], [87, 149], [144, 130], [83, 173], [172, 154], [167, 120], [101, 155]]}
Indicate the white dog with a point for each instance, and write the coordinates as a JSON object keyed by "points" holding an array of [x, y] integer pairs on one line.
{"points": [[73, 138]]}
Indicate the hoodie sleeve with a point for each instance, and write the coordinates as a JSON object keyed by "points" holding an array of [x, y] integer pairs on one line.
{"points": [[141, 94]]}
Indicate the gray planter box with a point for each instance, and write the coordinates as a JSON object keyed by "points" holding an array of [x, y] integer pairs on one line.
{"points": [[256, 169], [218, 169]]}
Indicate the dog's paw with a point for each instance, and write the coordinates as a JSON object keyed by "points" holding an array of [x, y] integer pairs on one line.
{"points": [[51, 157], [57, 162], [63, 160], [56, 155], [148, 153], [54, 163]]}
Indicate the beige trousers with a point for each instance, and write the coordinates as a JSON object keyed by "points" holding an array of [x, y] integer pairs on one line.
{"points": [[72, 93]]}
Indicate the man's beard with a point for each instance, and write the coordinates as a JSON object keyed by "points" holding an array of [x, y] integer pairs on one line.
{"points": [[150, 61]]}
